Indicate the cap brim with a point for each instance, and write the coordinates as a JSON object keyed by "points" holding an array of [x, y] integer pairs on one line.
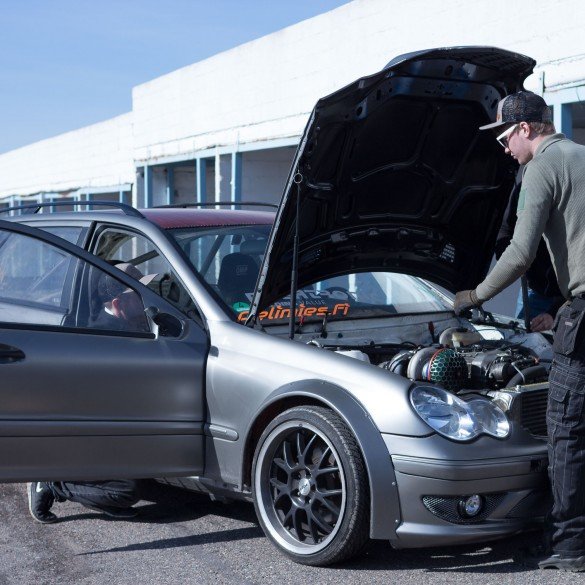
{"points": [[493, 125]]}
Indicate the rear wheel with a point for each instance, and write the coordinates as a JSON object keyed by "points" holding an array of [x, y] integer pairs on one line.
{"points": [[310, 487]]}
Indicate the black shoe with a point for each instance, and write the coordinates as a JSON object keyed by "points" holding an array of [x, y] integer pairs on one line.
{"points": [[40, 500], [573, 564], [113, 512]]}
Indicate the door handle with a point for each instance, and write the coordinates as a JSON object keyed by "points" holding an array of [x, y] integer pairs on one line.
{"points": [[9, 354]]}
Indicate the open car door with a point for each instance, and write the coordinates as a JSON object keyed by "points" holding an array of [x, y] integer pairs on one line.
{"points": [[100, 377]]}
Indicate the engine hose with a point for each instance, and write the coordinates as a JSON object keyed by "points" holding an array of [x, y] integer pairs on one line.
{"points": [[527, 375]]}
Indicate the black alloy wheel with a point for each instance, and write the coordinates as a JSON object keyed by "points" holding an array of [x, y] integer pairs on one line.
{"points": [[310, 487]]}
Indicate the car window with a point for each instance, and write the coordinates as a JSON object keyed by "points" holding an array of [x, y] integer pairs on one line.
{"points": [[70, 233], [44, 285], [153, 269], [227, 258], [32, 271], [360, 295]]}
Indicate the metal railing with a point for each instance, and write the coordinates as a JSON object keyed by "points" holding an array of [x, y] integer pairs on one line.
{"points": [[36, 207], [216, 203]]}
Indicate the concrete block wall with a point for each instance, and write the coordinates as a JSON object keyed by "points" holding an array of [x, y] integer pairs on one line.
{"points": [[264, 174], [96, 156], [159, 187], [185, 190], [223, 177], [266, 88]]}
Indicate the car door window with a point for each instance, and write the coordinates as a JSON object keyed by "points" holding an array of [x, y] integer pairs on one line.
{"points": [[152, 268], [32, 271], [70, 233], [45, 285], [228, 259]]}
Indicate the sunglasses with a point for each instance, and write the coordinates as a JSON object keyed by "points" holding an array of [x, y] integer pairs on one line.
{"points": [[505, 135]]}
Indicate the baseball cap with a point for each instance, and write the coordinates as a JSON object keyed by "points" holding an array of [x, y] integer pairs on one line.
{"points": [[523, 106]]}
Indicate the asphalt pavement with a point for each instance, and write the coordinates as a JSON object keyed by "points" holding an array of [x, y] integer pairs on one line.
{"points": [[181, 538]]}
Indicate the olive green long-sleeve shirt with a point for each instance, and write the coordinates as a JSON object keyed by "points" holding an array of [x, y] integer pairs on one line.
{"points": [[551, 204]]}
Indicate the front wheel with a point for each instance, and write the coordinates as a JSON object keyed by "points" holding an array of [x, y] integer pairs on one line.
{"points": [[310, 487]]}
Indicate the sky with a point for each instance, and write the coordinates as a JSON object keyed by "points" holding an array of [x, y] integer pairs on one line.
{"points": [[65, 64]]}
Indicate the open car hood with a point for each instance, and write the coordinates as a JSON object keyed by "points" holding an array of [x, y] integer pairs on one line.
{"points": [[393, 174]]}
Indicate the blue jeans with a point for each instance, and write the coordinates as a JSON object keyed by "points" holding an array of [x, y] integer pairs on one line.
{"points": [[113, 493], [566, 434]]}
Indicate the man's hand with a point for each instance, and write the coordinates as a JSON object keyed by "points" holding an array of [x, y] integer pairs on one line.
{"points": [[542, 322], [465, 299]]}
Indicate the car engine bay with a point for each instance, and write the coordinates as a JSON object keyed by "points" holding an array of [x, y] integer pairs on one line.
{"points": [[460, 359], [511, 370]]}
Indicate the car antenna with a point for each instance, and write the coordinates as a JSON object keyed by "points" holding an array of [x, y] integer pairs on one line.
{"points": [[298, 179]]}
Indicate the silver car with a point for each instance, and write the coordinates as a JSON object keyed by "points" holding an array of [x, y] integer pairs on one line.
{"points": [[370, 411]]}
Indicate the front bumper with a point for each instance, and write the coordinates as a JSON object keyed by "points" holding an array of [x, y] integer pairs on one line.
{"points": [[513, 491]]}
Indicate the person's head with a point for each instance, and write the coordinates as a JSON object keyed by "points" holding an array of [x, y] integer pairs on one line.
{"points": [[110, 288], [523, 120], [122, 302]]}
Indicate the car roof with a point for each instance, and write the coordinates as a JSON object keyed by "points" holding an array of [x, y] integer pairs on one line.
{"points": [[165, 218], [182, 218]]}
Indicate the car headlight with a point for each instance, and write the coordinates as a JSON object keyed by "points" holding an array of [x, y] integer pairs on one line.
{"points": [[457, 419], [490, 417]]}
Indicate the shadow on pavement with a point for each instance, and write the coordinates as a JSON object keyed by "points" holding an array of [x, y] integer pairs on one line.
{"points": [[181, 541], [490, 558]]}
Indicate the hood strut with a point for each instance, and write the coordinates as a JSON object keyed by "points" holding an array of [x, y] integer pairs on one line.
{"points": [[298, 179]]}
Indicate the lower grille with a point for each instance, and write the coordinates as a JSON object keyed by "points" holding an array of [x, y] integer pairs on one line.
{"points": [[446, 508], [533, 411], [535, 505]]}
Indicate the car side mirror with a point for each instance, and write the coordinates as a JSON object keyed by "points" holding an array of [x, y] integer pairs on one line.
{"points": [[168, 325]]}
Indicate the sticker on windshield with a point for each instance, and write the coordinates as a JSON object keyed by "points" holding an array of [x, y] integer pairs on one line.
{"points": [[277, 312], [240, 306]]}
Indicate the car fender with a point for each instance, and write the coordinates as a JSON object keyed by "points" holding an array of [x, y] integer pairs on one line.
{"points": [[384, 502]]}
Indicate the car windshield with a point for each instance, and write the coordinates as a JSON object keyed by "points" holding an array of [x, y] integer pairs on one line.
{"points": [[354, 296], [227, 258]]}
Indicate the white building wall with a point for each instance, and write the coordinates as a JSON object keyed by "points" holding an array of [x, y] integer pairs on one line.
{"points": [[184, 178], [159, 187], [223, 178], [97, 156], [264, 173], [266, 88]]}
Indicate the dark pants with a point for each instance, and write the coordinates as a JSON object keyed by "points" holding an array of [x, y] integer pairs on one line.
{"points": [[566, 433], [115, 493]]}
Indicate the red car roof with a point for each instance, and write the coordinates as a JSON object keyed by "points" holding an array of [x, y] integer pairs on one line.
{"points": [[188, 217]]}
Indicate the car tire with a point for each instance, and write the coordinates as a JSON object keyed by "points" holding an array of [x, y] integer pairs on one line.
{"points": [[310, 487]]}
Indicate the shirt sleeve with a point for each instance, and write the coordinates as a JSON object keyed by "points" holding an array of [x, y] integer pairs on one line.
{"points": [[534, 204]]}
